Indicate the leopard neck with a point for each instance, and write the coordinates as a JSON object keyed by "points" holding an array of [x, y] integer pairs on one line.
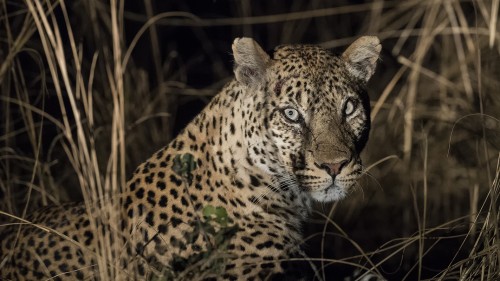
{"points": [[221, 137]]}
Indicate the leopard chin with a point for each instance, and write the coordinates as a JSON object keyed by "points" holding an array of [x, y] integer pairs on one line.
{"points": [[332, 193]]}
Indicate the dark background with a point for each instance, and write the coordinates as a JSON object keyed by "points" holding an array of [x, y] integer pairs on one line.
{"points": [[183, 59]]}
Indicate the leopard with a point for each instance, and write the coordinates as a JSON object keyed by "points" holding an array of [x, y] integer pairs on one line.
{"points": [[228, 197]]}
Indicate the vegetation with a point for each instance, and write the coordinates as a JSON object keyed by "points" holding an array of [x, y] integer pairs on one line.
{"points": [[91, 88]]}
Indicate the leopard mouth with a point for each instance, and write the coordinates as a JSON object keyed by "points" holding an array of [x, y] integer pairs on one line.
{"points": [[323, 187]]}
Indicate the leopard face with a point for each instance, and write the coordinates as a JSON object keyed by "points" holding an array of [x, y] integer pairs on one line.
{"points": [[316, 113]]}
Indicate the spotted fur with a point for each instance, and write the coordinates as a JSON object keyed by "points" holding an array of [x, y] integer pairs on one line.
{"points": [[286, 131]]}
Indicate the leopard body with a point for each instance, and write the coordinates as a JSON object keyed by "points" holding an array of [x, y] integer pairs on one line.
{"points": [[287, 131]]}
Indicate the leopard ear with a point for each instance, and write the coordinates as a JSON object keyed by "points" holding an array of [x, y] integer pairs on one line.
{"points": [[251, 62], [361, 57]]}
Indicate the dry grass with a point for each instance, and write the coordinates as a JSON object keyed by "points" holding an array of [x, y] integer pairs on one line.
{"points": [[91, 88]]}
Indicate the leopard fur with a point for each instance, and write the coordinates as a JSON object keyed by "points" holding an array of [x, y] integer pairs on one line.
{"points": [[287, 131]]}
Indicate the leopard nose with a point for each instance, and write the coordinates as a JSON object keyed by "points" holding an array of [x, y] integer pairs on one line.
{"points": [[334, 168]]}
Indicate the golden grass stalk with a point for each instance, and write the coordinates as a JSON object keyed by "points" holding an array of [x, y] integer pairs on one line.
{"points": [[433, 81]]}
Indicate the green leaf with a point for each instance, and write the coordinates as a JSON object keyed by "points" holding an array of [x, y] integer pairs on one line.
{"points": [[221, 216], [183, 166], [209, 211]]}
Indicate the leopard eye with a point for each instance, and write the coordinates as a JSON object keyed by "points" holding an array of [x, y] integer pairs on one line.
{"points": [[291, 114], [349, 107]]}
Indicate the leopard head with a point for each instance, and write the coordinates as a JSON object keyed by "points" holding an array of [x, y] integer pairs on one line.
{"points": [[313, 112]]}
